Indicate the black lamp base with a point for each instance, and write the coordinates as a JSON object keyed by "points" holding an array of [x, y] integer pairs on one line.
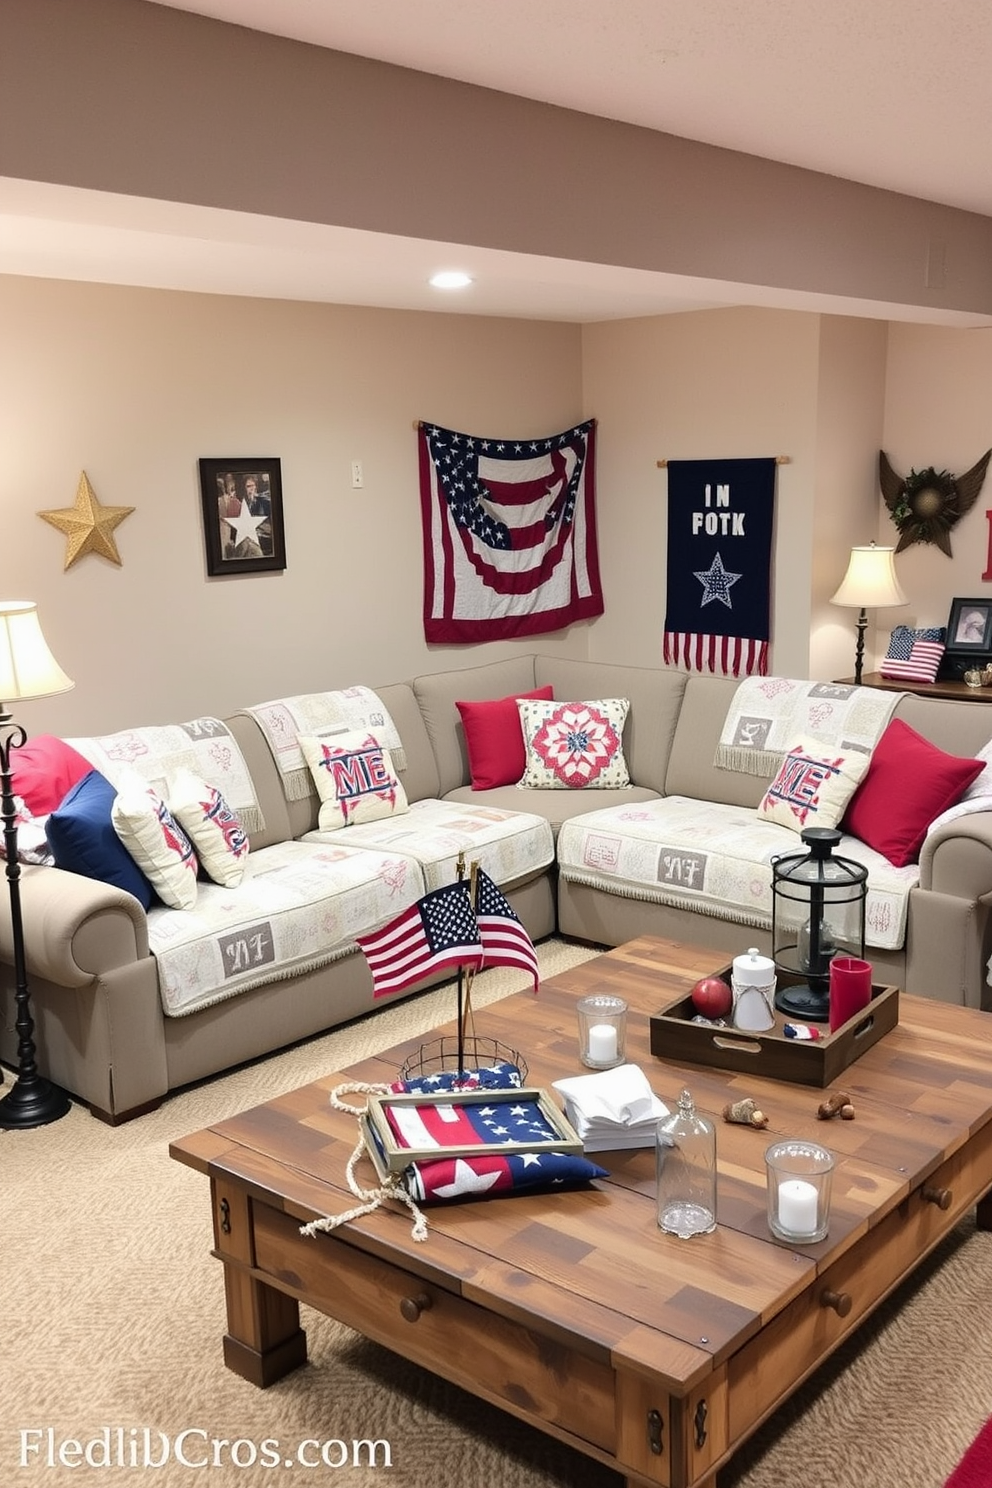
{"points": [[33, 1102], [804, 1003]]}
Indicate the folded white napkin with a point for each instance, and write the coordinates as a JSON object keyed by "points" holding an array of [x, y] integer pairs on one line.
{"points": [[612, 1109]]}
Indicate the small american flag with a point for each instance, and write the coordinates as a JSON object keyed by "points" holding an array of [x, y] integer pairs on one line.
{"points": [[919, 666], [439, 930], [505, 942]]}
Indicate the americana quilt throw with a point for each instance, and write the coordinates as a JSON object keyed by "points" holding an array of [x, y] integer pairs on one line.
{"points": [[509, 529], [719, 565]]}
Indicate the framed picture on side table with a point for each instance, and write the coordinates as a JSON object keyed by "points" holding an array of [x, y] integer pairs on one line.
{"points": [[969, 625], [242, 515], [969, 638]]}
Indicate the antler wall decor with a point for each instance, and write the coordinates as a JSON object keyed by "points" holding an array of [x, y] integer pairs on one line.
{"points": [[926, 504]]}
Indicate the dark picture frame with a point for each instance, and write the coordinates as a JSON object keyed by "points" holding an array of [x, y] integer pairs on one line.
{"points": [[969, 625], [242, 515]]}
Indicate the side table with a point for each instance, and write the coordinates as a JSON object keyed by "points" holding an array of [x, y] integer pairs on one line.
{"points": [[960, 691]]}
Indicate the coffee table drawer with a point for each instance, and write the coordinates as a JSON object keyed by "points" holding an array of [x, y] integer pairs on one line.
{"points": [[768, 1369], [535, 1377]]}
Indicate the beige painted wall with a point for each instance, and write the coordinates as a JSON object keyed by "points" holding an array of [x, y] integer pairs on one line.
{"points": [[938, 411], [715, 383], [133, 386], [845, 513]]}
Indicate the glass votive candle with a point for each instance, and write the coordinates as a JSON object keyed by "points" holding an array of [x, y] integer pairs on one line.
{"points": [[798, 1175], [602, 1030]]}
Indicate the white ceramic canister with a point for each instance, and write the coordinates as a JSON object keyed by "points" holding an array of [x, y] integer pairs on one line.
{"points": [[753, 984]]}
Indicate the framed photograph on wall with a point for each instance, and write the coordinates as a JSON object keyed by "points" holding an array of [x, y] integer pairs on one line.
{"points": [[242, 515], [969, 625]]}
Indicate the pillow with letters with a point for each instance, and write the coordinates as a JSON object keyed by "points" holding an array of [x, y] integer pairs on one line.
{"points": [[354, 777], [813, 785], [494, 739], [573, 745], [156, 842], [220, 841]]}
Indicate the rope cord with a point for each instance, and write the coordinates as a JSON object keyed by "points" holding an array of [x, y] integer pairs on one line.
{"points": [[371, 1198]]}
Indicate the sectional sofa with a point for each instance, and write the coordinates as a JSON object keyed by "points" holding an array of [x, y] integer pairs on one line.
{"points": [[592, 863]]}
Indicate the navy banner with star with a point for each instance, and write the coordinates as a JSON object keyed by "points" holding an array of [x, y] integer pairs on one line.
{"points": [[718, 604]]}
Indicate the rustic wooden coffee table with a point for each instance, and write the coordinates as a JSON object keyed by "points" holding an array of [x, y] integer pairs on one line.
{"points": [[654, 1355]]}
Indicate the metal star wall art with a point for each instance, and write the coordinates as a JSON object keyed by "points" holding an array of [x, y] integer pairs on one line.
{"points": [[87, 525], [926, 504]]}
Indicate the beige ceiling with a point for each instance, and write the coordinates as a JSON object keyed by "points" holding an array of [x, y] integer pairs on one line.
{"points": [[893, 93]]}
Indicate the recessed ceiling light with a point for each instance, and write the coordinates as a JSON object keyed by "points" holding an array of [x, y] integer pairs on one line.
{"points": [[450, 279]]}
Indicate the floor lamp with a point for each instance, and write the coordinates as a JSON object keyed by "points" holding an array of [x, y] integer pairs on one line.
{"points": [[869, 584], [27, 670]]}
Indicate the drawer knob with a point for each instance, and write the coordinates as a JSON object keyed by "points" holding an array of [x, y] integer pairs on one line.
{"points": [[412, 1307], [942, 1197], [839, 1301]]}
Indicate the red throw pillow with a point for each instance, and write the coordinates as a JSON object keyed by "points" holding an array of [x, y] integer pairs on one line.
{"points": [[43, 772], [495, 740], [909, 783]]}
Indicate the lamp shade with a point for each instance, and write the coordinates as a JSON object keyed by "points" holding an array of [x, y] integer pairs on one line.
{"points": [[870, 581], [27, 667]]}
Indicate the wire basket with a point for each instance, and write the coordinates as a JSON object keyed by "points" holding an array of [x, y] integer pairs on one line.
{"points": [[440, 1056]]}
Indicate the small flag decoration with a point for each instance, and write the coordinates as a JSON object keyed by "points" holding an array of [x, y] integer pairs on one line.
{"points": [[919, 665], [438, 931], [443, 930], [505, 942]]}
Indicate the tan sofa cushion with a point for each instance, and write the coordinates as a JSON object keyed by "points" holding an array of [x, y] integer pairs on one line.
{"points": [[437, 695]]}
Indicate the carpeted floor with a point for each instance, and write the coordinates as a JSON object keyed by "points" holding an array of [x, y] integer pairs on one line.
{"points": [[112, 1312]]}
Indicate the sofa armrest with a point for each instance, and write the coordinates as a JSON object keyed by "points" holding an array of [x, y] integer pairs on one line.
{"points": [[75, 928], [957, 858]]}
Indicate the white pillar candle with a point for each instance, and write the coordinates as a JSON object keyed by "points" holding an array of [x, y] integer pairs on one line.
{"points": [[797, 1202], [602, 1043]]}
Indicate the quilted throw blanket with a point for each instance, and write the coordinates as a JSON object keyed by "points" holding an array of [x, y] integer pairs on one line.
{"points": [[283, 720], [204, 745], [768, 714]]}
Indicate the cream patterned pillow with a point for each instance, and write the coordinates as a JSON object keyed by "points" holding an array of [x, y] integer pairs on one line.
{"points": [[156, 842], [354, 777], [813, 786], [572, 745], [220, 840]]}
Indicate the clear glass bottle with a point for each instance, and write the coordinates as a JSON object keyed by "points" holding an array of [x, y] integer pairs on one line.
{"points": [[686, 1169]]}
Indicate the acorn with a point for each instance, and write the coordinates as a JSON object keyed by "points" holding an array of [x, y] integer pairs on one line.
{"points": [[745, 1113]]}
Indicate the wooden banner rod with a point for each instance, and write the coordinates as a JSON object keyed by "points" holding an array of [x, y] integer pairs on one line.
{"points": [[779, 460]]}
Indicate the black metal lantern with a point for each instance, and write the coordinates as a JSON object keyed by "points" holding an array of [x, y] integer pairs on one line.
{"points": [[818, 912]]}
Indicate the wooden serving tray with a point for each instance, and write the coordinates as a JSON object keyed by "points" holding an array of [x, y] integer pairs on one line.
{"points": [[675, 1037]]}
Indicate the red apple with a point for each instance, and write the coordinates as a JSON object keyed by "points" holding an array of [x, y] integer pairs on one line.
{"points": [[712, 997]]}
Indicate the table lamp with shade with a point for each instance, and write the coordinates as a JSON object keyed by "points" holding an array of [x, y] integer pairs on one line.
{"points": [[27, 670], [869, 584]]}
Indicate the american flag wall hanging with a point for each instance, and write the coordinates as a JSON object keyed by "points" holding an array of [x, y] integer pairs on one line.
{"points": [[720, 516], [509, 531]]}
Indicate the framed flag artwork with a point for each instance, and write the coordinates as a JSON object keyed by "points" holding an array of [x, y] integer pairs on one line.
{"points": [[419, 1127]]}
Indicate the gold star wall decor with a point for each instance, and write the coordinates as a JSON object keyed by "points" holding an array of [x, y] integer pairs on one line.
{"points": [[88, 526]]}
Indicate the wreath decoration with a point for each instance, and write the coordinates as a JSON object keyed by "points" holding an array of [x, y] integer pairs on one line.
{"points": [[926, 504]]}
